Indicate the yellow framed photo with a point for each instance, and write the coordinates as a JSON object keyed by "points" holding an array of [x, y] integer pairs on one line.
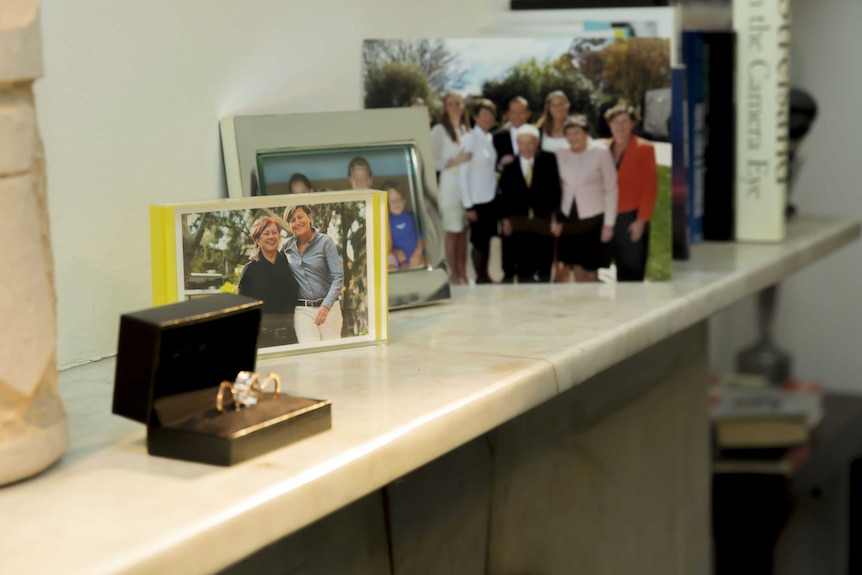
{"points": [[317, 261]]}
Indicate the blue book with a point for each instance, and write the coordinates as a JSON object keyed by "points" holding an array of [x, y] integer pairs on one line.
{"points": [[692, 57], [679, 164]]}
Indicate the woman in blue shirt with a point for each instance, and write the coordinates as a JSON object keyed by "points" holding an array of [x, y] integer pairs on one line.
{"points": [[317, 269]]}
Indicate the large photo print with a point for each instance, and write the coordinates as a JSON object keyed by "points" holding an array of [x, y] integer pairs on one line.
{"points": [[559, 147], [315, 263]]}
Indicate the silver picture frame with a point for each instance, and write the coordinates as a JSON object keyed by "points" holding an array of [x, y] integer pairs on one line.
{"points": [[247, 139]]}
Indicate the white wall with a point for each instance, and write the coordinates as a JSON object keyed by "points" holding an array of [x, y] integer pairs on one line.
{"points": [[820, 313], [133, 92], [129, 109]]}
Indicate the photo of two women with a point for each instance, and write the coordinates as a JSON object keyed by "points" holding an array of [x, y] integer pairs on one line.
{"points": [[553, 160], [307, 262]]}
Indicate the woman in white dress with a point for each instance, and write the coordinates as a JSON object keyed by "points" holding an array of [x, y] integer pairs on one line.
{"points": [[551, 123], [446, 143]]}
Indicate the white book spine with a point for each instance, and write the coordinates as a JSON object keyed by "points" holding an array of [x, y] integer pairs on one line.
{"points": [[762, 117]]}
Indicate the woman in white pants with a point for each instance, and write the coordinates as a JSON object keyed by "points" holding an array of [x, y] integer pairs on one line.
{"points": [[317, 268]]}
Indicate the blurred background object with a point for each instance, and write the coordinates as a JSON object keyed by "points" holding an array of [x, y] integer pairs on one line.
{"points": [[803, 112], [33, 432]]}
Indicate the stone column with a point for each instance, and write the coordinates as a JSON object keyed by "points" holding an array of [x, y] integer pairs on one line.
{"points": [[33, 432]]}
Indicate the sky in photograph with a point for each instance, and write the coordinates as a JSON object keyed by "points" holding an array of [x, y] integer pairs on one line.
{"points": [[489, 58]]}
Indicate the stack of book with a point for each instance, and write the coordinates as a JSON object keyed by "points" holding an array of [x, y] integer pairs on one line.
{"points": [[762, 428], [738, 107], [730, 103]]}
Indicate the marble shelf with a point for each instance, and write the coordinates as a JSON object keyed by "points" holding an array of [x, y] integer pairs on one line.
{"points": [[451, 372]]}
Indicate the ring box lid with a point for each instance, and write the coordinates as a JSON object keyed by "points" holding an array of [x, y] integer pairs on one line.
{"points": [[183, 347]]}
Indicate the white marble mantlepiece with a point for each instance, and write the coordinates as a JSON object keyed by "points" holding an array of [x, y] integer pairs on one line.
{"points": [[450, 373]]}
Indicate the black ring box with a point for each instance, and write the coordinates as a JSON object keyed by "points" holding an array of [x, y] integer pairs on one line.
{"points": [[170, 362]]}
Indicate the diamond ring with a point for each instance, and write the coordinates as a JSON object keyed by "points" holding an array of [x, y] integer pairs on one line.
{"points": [[247, 389]]}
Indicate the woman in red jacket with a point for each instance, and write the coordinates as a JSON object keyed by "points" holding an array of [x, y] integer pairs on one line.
{"points": [[637, 181]]}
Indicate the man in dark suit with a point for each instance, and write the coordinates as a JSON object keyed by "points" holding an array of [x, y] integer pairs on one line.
{"points": [[529, 206], [505, 143]]}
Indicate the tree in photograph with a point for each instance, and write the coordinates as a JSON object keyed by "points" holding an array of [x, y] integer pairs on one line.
{"points": [[193, 228], [585, 56], [625, 68], [215, 242], [534, 80], [394, 84], [348, 222], [345, 223], [442, 68]]}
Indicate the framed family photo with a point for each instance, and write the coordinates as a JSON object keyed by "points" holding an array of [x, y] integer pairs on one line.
{"points": [[297, 170], [391, 167], [383, 150], [594, 111], [317, 261]]}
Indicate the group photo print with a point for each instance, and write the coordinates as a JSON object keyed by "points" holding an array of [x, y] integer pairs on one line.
{"points": [[552, 154]]}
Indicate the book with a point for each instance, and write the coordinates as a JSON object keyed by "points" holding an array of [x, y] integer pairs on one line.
{"points": [[579, 28], [793, 399], [762, 137], [645, 20], [692, 57], [566, 4], [679, 164], [762, 462], [748, 414], [761, 431], [736, 379], [719, 157]]}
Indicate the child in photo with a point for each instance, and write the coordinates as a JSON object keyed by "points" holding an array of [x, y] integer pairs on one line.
{"points": [[359, 174], [299, 184], [405, 242]]}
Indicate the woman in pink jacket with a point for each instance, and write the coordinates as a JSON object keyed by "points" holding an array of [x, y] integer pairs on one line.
{"points": [[589, 203]]}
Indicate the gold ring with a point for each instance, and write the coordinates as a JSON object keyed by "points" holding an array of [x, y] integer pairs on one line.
{"points": [[220, 397], [273, 377]]}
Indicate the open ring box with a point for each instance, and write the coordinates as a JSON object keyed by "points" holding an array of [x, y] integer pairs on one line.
{"points": [[170, 362]]}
